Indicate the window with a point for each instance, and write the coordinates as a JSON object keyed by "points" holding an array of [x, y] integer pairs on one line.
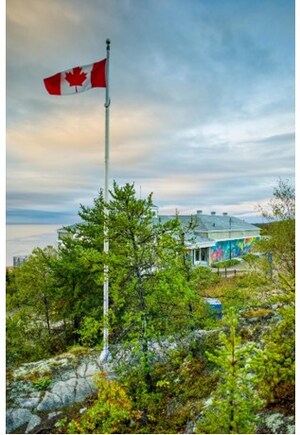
{"points": [[204, 254], [196, 255]]}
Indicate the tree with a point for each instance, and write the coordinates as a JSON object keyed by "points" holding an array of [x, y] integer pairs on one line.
{"points": [[31, 309], [150, 297], [78, 277], [78, 272], [235, 402], [277, 363], [148, 286], [279, 241], [35, 283]]}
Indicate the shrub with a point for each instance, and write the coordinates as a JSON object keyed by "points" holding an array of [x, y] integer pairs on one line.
{"points": [[226, 263], [110, 413], [42, 383]]}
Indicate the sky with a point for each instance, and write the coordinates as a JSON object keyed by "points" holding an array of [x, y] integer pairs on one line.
{"points": [[202, 104]]}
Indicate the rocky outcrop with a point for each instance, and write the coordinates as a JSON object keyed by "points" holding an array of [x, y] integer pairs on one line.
{"points": [[37, 391]]}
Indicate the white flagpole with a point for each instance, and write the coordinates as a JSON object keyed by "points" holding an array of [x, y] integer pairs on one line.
{"points": [[105, 354]]}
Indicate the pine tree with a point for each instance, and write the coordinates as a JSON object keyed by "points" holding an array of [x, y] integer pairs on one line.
{"points": [[233, 405]]}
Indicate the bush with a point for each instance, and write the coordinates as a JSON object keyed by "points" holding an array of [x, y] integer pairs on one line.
{"points": [[110, 413], [226, 263], [250, 258]]}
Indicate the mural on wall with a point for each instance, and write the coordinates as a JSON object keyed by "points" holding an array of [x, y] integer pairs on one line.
{"points": [[230, 249]]}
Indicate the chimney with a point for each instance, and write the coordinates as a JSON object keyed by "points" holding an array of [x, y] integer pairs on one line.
{"points": [[199, 211], [225, 213], [213, 213]]}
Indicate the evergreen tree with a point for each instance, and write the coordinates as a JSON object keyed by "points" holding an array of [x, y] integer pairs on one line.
{"points": [[148, 289], [235, 402]]}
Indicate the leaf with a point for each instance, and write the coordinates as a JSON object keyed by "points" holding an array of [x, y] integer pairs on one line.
{"points": [[76, 77]]}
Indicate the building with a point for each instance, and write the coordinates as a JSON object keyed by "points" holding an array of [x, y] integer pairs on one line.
{"points": [[18, 260], [211, 238], [216, 238]]}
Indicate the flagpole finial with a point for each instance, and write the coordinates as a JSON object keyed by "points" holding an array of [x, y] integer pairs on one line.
{"points": [[108, 42]]}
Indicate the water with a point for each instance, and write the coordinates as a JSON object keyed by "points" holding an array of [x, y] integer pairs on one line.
{"points": [[22, 239]]}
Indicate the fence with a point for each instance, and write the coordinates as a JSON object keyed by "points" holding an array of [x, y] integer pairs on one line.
{"points": [[228, 273]]}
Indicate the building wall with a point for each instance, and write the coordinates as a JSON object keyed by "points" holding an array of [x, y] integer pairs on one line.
{"points": [[221, 251], [217, 235]]}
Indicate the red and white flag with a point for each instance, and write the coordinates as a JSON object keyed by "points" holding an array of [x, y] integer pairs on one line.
{"points": [[77, 79]]}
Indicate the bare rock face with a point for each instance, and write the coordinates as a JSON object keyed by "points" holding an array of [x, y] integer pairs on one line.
{"points": [[36, 390]]}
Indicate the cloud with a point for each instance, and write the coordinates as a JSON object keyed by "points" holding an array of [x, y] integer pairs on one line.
{"points": [[202, 101]]}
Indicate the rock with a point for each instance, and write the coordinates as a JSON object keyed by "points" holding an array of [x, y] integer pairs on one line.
{"points": [[33, 422], [276, 423], [84, 388], [61, 394], [28, 402], [54, 414], [71, 381], [17, 417]]}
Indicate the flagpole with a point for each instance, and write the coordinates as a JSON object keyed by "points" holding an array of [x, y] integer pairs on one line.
{"points": [[105, 354]]}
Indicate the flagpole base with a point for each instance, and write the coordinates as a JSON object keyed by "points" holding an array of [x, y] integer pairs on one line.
{"points": [[105, 356]]}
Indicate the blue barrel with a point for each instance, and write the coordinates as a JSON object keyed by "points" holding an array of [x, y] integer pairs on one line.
{"points": [[215, 307]]}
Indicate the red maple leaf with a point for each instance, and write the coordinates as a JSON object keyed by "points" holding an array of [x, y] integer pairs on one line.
{"points": [[76, 77]]}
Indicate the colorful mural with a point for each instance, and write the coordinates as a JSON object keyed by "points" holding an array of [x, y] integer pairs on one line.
{"points": [[230, 249]]}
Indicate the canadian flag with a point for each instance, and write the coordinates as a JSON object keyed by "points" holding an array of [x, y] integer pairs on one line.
{"points": [[77, 79]]}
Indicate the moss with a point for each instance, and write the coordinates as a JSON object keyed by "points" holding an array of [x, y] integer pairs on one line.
{"points": [[259, 313], [42, 383], [78, 350], [33, 376]]}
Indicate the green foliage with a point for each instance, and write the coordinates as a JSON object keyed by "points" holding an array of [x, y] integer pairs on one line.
{"points": [[89, 332], [226, 263], [277, 360], [54, 301], [110, 413], [178, 385], [26, 338], [235, 402], [78, 350], [42, 383], [151, 295], [278, 246], [32, 309], [250, 258], [202, 278]]}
